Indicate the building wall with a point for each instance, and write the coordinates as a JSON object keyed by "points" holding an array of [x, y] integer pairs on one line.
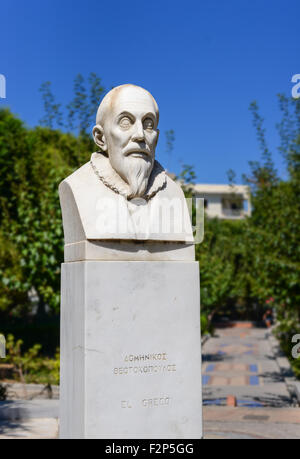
{"points": [[214, 206]]}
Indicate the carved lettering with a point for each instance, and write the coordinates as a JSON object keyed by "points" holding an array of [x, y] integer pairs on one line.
{"points": [[144, 369], [145, 357], [154, 402]]}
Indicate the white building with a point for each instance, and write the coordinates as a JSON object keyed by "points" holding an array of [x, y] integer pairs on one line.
{"points": [[225, 201]]}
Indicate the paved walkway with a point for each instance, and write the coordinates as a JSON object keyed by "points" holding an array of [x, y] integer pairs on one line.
{"points": [[34, 419], [36, 428], [222, 422], [243, 368], [240, 362]]}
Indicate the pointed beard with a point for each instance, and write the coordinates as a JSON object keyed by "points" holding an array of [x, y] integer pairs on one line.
{"points": [[137, 172]]}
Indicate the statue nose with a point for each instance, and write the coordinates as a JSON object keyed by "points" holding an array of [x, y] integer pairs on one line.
{"points": [[138, 134]]}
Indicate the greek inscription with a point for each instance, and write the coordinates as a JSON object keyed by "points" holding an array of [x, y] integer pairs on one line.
{"points": [[149, 364], [150, 369], [145, 357]]}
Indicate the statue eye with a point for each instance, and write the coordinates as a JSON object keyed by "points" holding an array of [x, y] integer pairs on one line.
{"points": [[125, 122], [148, 124]]}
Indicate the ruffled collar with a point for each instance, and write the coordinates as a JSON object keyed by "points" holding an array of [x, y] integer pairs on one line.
{"points": [[106, 173]]}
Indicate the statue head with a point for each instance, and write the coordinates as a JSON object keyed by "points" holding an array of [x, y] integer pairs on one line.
{"points": [[126, 131]]}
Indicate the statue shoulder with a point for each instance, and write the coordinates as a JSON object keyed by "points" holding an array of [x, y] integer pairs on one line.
{"points": [[78, 176], [72, 191], [173, 189]]}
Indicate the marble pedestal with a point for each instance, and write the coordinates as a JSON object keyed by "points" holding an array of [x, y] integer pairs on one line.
{"points": [[130, 350]]}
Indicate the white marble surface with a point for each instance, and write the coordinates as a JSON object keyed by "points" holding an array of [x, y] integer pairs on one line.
{"points": [[123, 193], [93, 211], [130, 350], [129, 251]]}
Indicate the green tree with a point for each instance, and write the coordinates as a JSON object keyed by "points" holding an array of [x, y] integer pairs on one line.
{"points": [[83, 108], [31, 240], [79, 115], [274, 226], [33, 162], [170, 139], [52, 113]]}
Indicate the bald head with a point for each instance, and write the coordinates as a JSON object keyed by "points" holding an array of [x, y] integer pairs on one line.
{"points": [[127, 97], [126, 132]]}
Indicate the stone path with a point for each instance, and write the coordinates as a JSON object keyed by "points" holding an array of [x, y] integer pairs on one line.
{"points": [[243, 368], [240, 362], [222, 422], [22, 419], [35, 428]]}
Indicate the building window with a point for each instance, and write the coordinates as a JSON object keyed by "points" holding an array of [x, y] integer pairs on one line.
{"points": [[232, 206]]}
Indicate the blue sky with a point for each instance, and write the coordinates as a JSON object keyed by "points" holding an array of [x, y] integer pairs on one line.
{"points": [[204, 62]]}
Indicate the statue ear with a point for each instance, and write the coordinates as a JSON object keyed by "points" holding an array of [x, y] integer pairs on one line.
{"points": [[99, 137]]}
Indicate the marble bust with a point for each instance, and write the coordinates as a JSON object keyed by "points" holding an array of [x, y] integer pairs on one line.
{"points": [[130, 290], [122, 204]]}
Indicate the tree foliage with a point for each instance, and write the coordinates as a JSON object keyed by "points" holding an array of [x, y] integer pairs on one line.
{"points": [[33, 162], [79, 114], [30, 366], [274, 226], [249, 261]]}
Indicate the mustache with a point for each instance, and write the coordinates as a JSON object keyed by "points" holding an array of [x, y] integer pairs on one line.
{"points": [[138, 150]]}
